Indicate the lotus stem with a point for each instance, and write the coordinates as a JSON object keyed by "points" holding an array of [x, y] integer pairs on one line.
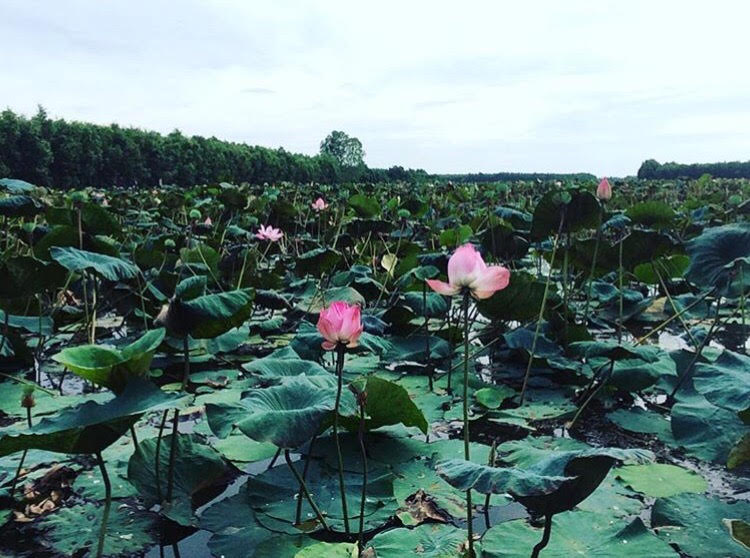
{"points": [[539, 319], [107, 505], [300, 494], [591, 396], [172, 455], [273, 460], [186, 358], [303, 486], [362, 397], [134, 437], [687, 373], [742, 304], [545, 537], [488, 496], [669, 320], [469, 525], [340, 352], [157, 464], [619, 272], [23, 457], [669, 298], [593, 265]]}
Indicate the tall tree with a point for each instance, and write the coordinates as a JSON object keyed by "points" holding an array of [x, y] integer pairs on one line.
{"points": [[346, 150]]}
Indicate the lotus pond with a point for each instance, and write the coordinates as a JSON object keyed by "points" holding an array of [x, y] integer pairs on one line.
{"points": [[440, 370]]}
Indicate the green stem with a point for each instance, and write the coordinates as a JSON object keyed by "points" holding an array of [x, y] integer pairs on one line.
{"points": [[545, 537], [23, 457], [340, 351], [619, 271], [593, 266], [303, 486], [469, 524], [300, 494], [491, 463], [157, 461], [172, 455], [363, 500], [107, 505], [186, 359], [539, 319], [669, 298]]}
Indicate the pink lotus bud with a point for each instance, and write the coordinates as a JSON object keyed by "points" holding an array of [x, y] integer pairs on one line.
{"points": [[467, 270], [340, 323], [208, 222], [604, 190], [319, 204]]}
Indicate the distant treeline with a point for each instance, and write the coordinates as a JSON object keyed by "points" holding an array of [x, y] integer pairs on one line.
{"points": [[71, 155], [733, 169], [514, 176]]}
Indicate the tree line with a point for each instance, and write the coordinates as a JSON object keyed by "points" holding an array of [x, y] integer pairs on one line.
{"points": [[71, 155], [654, 169]]}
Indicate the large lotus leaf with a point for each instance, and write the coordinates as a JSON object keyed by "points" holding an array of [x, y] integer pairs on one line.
{"points": [[557, 482], [236, 533], [689, 305], [740, 453], [637, 374], [317, 262], [726, 381], [67, 235], [705, 430], [91, 427], [365, 206], [287, 415], [502, 241], [211, 315], [192, 287], [38, 325], [578, 209], [432, 540], [201, 256], [520, 300], [698, 525], [716, 256], [98, 220], [328, 550], [641, 247], [109, 267], [660, 480], [71, 531], [19, 206], [576, 534], [273, 496], [110, 367], [387, 403], [271, 368], [414, 349], [16, 186], [319, 300], [656, 214], [433, 305], [668, 267], [197, 466], [24, 276]]}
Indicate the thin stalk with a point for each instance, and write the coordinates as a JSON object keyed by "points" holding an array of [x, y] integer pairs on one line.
{"points": [[303, 486], [491, 463], [300, 494], [591, 396], [539, 319], [686, 374], [134, 437], [666, 322], [565, 289], [186, 359], [593, 265], [172, 455], [157, 464], [363, 500], [669, 298], [545, 537], [619, 271], [742, 305], [93, 312], [107, 505], [23, 457], [469, 525], [340, 351], [275, 457], [242, 271]]}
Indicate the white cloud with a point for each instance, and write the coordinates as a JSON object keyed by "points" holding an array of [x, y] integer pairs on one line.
{"points": [[477, 86]]}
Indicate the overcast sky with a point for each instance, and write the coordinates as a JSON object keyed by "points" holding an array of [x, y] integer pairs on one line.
{"points": [[593, 86]]}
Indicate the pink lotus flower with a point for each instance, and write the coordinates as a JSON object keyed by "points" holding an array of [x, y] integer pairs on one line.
{"points": [[340, 323], [208, 222], [269, 233], [604, 190], [467, 270], [319, 204]]}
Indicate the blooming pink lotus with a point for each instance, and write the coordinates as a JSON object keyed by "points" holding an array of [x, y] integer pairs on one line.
{"points": [[467, 270], [340, 323], [269, 233], [604, 190], [319, 204]]}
